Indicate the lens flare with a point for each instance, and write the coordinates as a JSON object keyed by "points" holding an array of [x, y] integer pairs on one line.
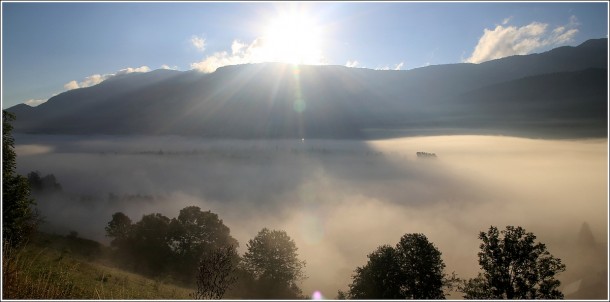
{"points": [[317, 295]]}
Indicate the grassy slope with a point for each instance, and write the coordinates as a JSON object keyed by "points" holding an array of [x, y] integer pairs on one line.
{"points": [[57, 267]]}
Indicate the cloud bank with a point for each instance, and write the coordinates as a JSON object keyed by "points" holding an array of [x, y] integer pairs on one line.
{"points": [[260, 50], [505, 40], [337, 200], [98, 78], [241, 53]]}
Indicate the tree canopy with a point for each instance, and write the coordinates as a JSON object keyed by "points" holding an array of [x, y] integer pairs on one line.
{"points": [[514, 267], [19, 220], [411, 270], [158, 245], [421, 268], [273, 262], [379, 278], [195, 233]]}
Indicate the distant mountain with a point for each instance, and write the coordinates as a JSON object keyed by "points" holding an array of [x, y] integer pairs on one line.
{"points": [[563, 91]]}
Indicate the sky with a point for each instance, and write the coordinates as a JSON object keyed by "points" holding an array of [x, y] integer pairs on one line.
{"points": [[49, 48]]}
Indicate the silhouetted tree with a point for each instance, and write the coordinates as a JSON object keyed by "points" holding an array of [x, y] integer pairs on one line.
{"points": [[380, 278], [216, 273], [119, 228], [152, 254], [411, 270], [19, 219], [195, 233], [273, 262], [46, 184], [421, 268], [156, 245], [35, 181], [514, 267]]}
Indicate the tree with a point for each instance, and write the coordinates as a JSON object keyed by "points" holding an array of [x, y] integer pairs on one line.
{"points": [[272, 260], [194, 234], [216, 273], [514, 267], [157, 245], [46, 184], [380, 278], [119, 228], [421, 268], [341, 295], [412, 270], [151, 253], [19, 220]]}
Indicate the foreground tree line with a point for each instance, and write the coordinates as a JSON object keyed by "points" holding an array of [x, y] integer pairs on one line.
{"points": [[196, 247], [513, 267]]}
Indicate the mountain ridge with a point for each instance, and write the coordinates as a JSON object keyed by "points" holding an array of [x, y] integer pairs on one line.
{"points": [[276, 100]]}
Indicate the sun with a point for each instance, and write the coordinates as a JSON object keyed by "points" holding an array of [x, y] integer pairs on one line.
{"points": [[293, 38]]}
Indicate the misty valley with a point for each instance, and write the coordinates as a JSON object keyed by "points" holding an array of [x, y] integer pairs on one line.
{"points": [[273, 170], [340, 199]]}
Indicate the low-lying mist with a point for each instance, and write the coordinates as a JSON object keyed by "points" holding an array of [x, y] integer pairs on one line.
{"points": [[339, 200]]}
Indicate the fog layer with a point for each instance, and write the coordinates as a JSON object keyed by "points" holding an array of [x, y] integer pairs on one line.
{"points": [[339, 200]]}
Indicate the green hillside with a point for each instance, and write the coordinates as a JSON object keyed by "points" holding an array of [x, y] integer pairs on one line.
{"points": [[68, 267]]}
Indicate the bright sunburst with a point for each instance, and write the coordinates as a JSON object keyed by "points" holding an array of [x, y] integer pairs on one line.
{"points": [[293, 38]]}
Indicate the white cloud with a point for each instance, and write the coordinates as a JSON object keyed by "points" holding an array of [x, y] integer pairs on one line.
{"points": [[353, 63], [71, 85], [33, 102], [506, 20], [262, 50], [506, 41], [219, 59], [399, 66], [130, 70], [236, 47], [98, 78], [165, 66], [198, 42], [241, 53], [93, 80]]}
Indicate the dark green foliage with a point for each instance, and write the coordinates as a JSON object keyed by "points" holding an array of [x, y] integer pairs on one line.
{"points": [[195, 233], [411, 270], [514, 267], [119, 228], [46, 184], [159, 246], [421, 268], [151, 253], [380, 278], [273, 262], [19, 220]]}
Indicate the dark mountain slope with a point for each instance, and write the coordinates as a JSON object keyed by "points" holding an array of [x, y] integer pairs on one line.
{"points": [[272, 100], [575, 102]]}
